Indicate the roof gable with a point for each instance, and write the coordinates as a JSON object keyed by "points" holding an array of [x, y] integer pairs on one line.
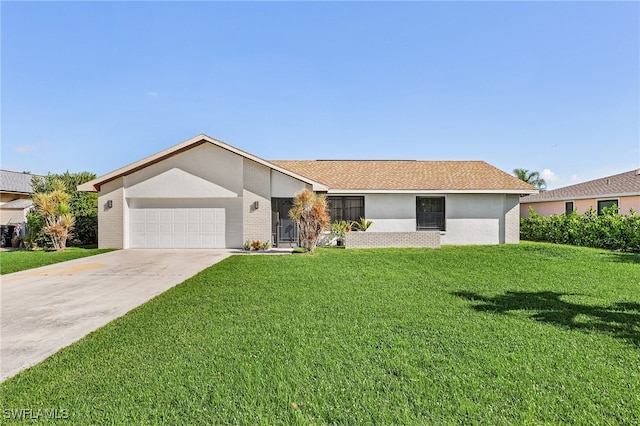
{"points": [[410, 175], [627, 183], [94, 185]]}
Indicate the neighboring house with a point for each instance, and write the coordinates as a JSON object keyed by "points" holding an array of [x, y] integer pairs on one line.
{"points": [[15, 201], [622, 190], [205, 193]]}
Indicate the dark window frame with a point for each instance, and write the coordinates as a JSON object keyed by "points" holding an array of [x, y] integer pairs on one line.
{"points": [[346, 207], [569, 207], [435, 218], [609, 203]]}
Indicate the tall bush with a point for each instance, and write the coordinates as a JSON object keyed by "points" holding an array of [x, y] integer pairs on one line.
{"points": [[611, 230]]}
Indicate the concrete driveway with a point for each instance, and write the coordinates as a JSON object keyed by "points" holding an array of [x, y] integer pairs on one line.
{"points": [[48, 308]]}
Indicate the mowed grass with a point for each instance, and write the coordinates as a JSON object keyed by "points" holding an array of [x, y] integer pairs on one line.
{"points": [[20, 260], [528, 334]]}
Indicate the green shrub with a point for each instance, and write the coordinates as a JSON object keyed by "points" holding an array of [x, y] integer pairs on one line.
{"points": [[612, 230]]}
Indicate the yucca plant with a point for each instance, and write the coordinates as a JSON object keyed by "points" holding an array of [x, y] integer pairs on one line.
{"points": [[310, 214], [362, 224], [54, 208]]}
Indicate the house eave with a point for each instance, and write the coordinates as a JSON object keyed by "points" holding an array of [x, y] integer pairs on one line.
{"points": [[431, 191], [582, 197]]}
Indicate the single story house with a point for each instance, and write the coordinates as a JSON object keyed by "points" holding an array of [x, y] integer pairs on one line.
{"points": [[15, 198], [622, 190], [204, 193]]}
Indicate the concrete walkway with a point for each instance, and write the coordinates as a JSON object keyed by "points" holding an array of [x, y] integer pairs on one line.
{"points": [[48, 308]]}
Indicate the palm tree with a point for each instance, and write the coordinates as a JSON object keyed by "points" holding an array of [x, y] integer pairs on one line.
{"points": [[532, 178], [54, 208], [310, 213]]}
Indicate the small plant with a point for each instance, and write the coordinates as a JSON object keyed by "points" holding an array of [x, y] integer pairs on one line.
{"points": [[266, 245], [255, 245], [340, 228], [247, 245], [362, 224]]}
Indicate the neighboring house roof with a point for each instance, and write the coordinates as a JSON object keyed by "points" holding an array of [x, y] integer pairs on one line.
{"points": [[622, 184], [17, 204], [15, 182], [408, 176], [94, 185]]}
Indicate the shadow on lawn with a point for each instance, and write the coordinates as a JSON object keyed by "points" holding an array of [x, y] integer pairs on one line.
{"points": [[622, 320], [622, 257]]}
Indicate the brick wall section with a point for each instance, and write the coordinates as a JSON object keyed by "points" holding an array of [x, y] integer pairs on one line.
{"points": [[423, 239], [512, 220], [256, 187], [111, 220]]}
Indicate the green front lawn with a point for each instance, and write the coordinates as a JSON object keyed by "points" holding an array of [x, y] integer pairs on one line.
{"points": [[15, 261], [528, 334]]}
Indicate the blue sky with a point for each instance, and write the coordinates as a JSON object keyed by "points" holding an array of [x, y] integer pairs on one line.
{"points": [[547, 86]]}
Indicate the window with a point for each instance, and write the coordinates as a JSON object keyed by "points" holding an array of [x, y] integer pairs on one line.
{"points": [[345, 208], [430, 213], [568, 208], [602, 204]]}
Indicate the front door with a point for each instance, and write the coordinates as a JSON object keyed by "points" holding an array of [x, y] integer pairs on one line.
{"points": [[284, 229]]}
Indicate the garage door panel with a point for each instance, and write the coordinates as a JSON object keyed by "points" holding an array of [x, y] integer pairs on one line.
{"points": [[165, 240], [177, 228], [165, 216]]}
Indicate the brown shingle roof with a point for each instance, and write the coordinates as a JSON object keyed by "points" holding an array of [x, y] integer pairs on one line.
{"points": [[627, 183], [392, 175]]}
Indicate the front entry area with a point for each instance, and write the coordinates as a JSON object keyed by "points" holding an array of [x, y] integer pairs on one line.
{"points": [[283, 229], [177, 228]]}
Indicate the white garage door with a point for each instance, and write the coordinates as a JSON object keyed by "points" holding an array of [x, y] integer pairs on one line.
{"points": [[177, 228]]}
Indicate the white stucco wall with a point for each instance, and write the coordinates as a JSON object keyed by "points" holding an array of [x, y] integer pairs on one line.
{"points": [[474, 218], [283, 186], [471, 218], [391, 212]]}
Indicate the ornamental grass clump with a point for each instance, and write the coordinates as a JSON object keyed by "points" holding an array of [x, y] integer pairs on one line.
{"points": [[310, 214]]}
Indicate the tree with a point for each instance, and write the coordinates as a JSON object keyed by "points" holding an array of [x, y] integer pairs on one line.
{"points": [[310, 213], [532, 178], [84, 205], [55, 210]]}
